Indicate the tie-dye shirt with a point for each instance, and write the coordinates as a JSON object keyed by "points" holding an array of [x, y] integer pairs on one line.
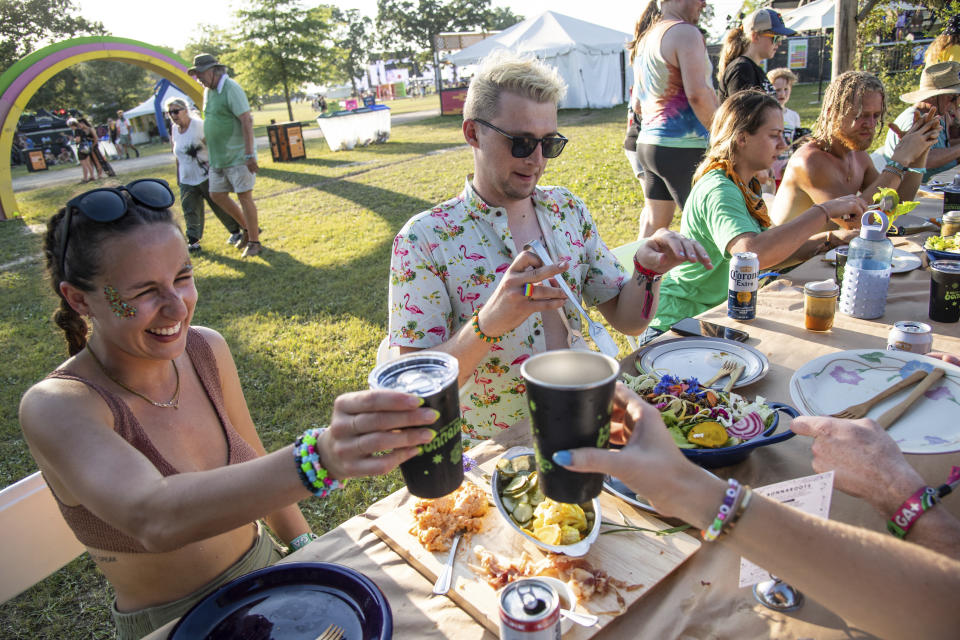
{"points": [[448, 261], [668, 119]]}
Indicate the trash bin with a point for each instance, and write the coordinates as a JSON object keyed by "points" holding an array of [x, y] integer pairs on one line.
{"points": [[286, 141], [35, 160]]}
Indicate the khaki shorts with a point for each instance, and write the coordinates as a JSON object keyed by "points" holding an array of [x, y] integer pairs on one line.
{"points": [[235, 179], [132, 625]]}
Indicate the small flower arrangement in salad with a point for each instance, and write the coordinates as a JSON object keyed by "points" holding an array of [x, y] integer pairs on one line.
{"points": [[698, 417]]}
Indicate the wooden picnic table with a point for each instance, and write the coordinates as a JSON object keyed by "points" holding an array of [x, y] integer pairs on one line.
{"points": [[701, 598]]}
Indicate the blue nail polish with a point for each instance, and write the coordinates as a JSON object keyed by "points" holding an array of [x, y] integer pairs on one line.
{"points": [[562, 458]]}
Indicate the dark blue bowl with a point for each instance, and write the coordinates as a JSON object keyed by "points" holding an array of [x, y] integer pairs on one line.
{"points": [[294, 601], [933, 255], [726, 456]]}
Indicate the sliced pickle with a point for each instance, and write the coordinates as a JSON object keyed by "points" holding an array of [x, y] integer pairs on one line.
{"points": [[504, 466], [508, 503], [516, 486], [523, 512]]}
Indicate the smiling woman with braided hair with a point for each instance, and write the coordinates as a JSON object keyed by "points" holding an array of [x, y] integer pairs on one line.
{"points": [[143, 434]]}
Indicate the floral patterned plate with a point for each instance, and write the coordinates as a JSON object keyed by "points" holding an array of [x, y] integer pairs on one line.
{"points": [[835, 381]]}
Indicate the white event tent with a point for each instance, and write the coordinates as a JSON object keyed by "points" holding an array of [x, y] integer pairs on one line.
{"points": [[590, 58], [153, 106], [820, 15]]}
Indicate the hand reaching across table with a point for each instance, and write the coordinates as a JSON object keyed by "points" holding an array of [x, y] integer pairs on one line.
{"points": [[833, 562]]}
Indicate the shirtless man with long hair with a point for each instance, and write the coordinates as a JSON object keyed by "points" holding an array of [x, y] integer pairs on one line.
{"points": [[836, 163]]}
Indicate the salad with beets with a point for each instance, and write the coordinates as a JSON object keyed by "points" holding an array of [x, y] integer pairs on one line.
{"points": [[698, 417]]}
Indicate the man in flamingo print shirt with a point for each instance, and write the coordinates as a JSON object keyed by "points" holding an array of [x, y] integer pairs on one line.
{"points": [[460, 280]]}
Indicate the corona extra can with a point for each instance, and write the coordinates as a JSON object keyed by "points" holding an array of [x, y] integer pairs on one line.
{"points": [[529, 610], [915, 337], [744, 282]]}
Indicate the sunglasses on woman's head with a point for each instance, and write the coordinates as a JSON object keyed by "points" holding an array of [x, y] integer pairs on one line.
{"points": [[107, 204], [523, 146]]}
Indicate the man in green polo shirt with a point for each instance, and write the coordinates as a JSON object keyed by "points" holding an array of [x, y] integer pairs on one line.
{"points": [[228, 129]]}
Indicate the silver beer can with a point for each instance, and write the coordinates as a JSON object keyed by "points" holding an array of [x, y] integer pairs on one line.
{"points": [[744, 282], [529, 610], [915, 337]]}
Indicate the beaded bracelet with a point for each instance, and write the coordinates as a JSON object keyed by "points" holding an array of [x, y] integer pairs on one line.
{"points": [[910, 511], [481, 334], [746, 494], [303, 540], [315, 478], [650, 277], [729, 498]]}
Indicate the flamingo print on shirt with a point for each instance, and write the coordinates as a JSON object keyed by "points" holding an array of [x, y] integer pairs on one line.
{"points": [[447, 262]]}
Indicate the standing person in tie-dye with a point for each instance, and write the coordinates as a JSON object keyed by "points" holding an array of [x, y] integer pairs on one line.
{"points": [[460, 280], [672, 80]]}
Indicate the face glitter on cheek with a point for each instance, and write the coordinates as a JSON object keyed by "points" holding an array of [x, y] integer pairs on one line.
{"points": [[120, 308]]}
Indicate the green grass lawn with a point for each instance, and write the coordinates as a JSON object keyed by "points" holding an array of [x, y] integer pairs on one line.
{"points": [[304, 319]]}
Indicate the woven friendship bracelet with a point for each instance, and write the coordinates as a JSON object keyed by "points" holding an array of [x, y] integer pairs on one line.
{"points": [[307, 458], [729, 498], [481, 334], [649, 277], [910, 511]]}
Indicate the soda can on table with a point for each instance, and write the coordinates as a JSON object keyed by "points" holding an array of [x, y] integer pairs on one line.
{"points": [[744, 282], [915, 337], [529, 610]]}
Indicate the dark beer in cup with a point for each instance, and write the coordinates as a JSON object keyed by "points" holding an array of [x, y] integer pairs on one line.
{"points": [[438, 469], [570, 395]]}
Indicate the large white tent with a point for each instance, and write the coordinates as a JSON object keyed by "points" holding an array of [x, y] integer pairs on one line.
{"points": [[820, 15], [153, 106], [590, 58]]}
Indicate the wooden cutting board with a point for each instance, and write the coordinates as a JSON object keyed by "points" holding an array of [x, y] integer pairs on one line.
{"points": [[633, 557]]}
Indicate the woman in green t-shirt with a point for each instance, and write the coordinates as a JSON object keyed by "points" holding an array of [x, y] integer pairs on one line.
{"points": [[726, 213]]}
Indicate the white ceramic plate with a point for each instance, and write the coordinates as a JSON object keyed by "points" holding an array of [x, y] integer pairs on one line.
{"points": [[833, 382], [903, 260], [616, 487], [701, 358]]}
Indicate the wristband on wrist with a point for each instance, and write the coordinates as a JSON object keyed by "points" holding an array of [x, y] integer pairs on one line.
{"points": [[746, 494], [824, 209], [896, 165], [306, 455], [250, 156], [891, 170], [303, 540], [480, 334], [646, 278], [730, 497], [952, 481], [917, 170], [910, 511]]}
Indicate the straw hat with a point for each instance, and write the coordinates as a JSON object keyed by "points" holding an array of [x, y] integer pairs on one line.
{"points": [[938, 79]]}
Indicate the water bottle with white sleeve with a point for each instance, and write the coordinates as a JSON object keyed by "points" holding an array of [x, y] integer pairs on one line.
{"points": [[867, 274]]}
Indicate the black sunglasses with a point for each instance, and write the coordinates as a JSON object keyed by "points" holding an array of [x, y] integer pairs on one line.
{"points": [[174, 112], [107, 204], [523, 146]]}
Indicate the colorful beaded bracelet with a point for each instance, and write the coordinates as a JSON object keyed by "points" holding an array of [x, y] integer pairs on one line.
{"points": [[746, 494], [307, 458], [481, 334], [729, 498]]}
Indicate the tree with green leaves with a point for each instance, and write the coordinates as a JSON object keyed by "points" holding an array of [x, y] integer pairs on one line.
{"points": [[211, 39], [26, 23], [501, 18], [352, 38], [98, 88], [280, 46], [409, 28]]}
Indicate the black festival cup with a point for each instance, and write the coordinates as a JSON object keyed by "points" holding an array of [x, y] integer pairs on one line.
{"points": [[945, 290], [438, 469], [570, 394]]}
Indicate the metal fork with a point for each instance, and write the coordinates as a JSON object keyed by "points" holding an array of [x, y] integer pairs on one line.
{"points": [[442, 585], [728, 367], [598, 333], [333, 632], [860, 410]]}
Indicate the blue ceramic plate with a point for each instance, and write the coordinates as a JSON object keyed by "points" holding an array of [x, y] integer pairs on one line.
{"points": [[295, 601]]}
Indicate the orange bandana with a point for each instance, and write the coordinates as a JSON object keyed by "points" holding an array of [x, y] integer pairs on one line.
{"points": [[751, 193]]}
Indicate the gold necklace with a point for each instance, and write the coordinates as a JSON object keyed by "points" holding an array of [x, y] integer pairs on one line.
{"points": [[173, 403]]}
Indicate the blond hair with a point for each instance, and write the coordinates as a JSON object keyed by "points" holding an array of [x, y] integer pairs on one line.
{"points": [[651, 15], [949, 37], [742, 113], [844, 93], [782, 73], [735, 43], [506, 71]]}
